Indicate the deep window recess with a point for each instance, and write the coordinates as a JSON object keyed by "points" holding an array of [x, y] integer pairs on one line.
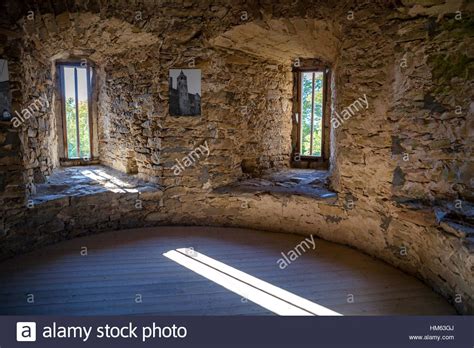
{"points": [[312, 97], [76, 108]]}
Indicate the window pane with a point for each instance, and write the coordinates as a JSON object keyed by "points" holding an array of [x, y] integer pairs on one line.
{"points": [[84, 135], [70, 102], [77, 111], [318, 114], [306, 105]]}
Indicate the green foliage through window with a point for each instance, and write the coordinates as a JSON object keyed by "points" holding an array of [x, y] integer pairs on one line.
{"points": [[77, 120], [84, 141], [311, 113]]}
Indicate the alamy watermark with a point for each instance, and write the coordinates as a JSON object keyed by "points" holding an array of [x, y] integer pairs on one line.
{"points": [[191, 158], [297, 251], [27, 112], [349, 111]]}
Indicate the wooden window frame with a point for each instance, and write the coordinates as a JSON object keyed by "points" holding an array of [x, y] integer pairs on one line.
{"points": [[90, 86], [325, 136]]}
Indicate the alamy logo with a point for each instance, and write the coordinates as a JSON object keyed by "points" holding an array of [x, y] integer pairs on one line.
{"points": [[26, 331], [349, 111], [191, 158], [35, 106], [296, 252]]}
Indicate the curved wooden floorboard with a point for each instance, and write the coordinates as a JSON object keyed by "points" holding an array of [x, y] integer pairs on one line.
{"points": [[123, 267]]}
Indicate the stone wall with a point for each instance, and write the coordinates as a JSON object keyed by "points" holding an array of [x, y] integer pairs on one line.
{"points": [[132, 78], [246, 117], [12, 184], [128, 127], [396, 163], [49, 38], [433, 121]]}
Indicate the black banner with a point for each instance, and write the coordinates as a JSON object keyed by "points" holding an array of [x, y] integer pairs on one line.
{"points": [[149, 331]]}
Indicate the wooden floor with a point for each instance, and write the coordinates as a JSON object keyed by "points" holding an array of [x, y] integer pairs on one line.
{"points": [[125, 272]]}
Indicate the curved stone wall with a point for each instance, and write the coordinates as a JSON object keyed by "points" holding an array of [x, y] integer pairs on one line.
{"points": [[400, 166], [410, 240]]}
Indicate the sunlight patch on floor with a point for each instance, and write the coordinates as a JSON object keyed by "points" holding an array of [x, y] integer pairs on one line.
{"points": [[273, 298]]}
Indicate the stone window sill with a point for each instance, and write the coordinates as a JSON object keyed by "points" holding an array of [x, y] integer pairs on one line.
{"points": [[458, 222], [65, 162], [89, 180], [300, 182]]}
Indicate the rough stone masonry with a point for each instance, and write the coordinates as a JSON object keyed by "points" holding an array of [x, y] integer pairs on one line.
{"points": [[405, 162]]}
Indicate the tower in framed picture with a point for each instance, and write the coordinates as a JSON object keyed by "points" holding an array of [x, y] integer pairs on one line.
{"points": [[185, 92], [5, 94]]}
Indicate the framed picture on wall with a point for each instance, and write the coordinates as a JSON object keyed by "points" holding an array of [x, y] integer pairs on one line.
{"points": [[5, 95], [185, 92]]}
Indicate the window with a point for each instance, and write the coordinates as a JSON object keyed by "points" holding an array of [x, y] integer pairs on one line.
{"points": [[311, 114], [76, 83]]}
